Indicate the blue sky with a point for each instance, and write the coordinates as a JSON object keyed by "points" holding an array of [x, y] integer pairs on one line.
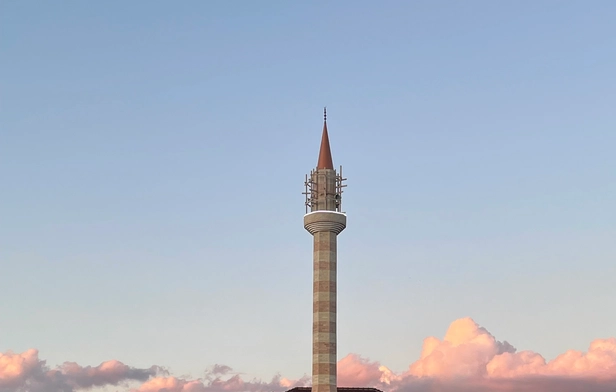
{"points": [[152, 158]]}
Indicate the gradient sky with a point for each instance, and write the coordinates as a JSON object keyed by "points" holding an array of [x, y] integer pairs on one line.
{"points": [[152, 158]]}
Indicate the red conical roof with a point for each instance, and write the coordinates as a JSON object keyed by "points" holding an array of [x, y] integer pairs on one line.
{"points": [[325, 154]]}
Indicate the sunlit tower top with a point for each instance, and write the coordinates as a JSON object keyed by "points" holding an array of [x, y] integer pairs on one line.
{"points": [[323, 185]]}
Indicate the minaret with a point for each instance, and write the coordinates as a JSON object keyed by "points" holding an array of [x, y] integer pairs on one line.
{"points": [[324, 221]]}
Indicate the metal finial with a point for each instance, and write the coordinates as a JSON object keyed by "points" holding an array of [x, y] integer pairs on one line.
{"points": [[325, 113]]}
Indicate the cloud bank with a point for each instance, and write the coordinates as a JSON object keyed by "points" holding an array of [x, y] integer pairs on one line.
{"points": [[25, 372], [467, 359]]}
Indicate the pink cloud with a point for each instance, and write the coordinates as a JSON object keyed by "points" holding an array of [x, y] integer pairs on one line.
{"points": [[26, 372], [520, 384], [470, 351], [355, 371], [171, 384], [467, 359], [217, 384], [107, 373], [465, 351], [16, 368], [215, 381]]}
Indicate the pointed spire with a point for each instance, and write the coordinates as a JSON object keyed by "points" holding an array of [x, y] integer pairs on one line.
{"points": [[325, 154]]}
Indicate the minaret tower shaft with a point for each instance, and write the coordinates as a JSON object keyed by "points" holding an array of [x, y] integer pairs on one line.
{"points": [[324, 221]]}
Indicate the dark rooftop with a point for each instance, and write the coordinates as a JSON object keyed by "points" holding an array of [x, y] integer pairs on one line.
{"points": [[341, 389]]}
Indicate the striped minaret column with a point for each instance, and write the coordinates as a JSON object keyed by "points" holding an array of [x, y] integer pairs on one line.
{"points": [[324, 222]]}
